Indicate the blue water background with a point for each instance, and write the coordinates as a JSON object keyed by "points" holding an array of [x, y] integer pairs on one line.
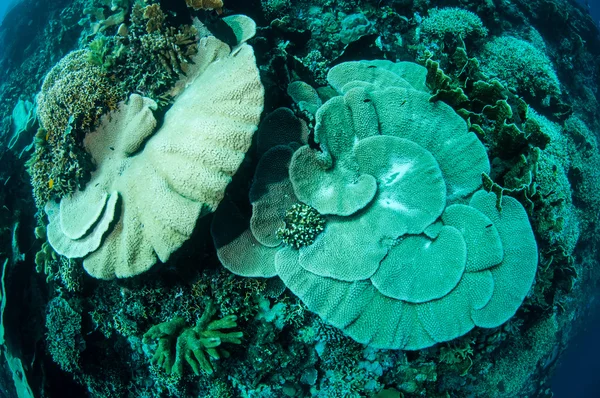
{"points": [[6, 6]]}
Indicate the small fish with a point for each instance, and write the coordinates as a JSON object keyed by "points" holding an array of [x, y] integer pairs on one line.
{"points": [[51, 183]]}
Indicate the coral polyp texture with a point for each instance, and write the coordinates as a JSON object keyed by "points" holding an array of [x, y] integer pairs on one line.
{"points": [[205, 4], [74, 95], [406, 250], [150, 187]]}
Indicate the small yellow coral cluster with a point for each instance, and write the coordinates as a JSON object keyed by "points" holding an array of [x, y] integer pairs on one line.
{"points": [[205, 4], [166, 47]]}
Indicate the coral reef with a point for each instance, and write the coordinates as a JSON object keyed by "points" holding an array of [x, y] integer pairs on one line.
{"points": [[374, 157], [518, 78]]}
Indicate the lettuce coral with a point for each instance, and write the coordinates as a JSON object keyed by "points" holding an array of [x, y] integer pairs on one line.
{"points": [[422, 258], [163, 181]]}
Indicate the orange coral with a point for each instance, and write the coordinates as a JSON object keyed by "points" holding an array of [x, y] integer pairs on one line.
{"points": [[205, 4]]}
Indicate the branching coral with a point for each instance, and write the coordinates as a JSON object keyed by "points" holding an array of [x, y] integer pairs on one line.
{"points": [[179, 343], [155, 52], [65, 342], [205, 4], [74, 95], [452, 23]]}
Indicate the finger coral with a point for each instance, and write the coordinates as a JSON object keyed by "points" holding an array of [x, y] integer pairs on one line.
{"points": [[179, 344], [404, 250], [164, 180]]}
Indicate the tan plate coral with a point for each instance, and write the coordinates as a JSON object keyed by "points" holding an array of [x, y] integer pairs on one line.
{"points": [[162, 181]]}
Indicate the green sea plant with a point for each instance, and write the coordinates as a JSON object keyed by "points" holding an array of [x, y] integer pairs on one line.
{"points": [[412, 251]]}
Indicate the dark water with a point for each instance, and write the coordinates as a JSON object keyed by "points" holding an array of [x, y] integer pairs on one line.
{"points": [[577, 372]]}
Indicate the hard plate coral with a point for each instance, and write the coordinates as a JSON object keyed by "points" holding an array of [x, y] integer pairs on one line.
{"points": [[413, 252], [156, 184]]}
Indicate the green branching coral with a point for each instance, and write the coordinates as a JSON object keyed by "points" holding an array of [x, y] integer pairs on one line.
{"points": [[179, 343], [74, 95], [521, 65], [302, 225], [148, 55], [452, 23], [156, 53]]}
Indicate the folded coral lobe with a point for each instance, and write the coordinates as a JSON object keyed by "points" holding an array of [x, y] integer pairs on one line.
{"points": [[169, 178]]}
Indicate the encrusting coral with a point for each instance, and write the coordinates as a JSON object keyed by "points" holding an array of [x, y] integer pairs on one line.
{"points": [[412, 252], [157, 184], [179, 343]]}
